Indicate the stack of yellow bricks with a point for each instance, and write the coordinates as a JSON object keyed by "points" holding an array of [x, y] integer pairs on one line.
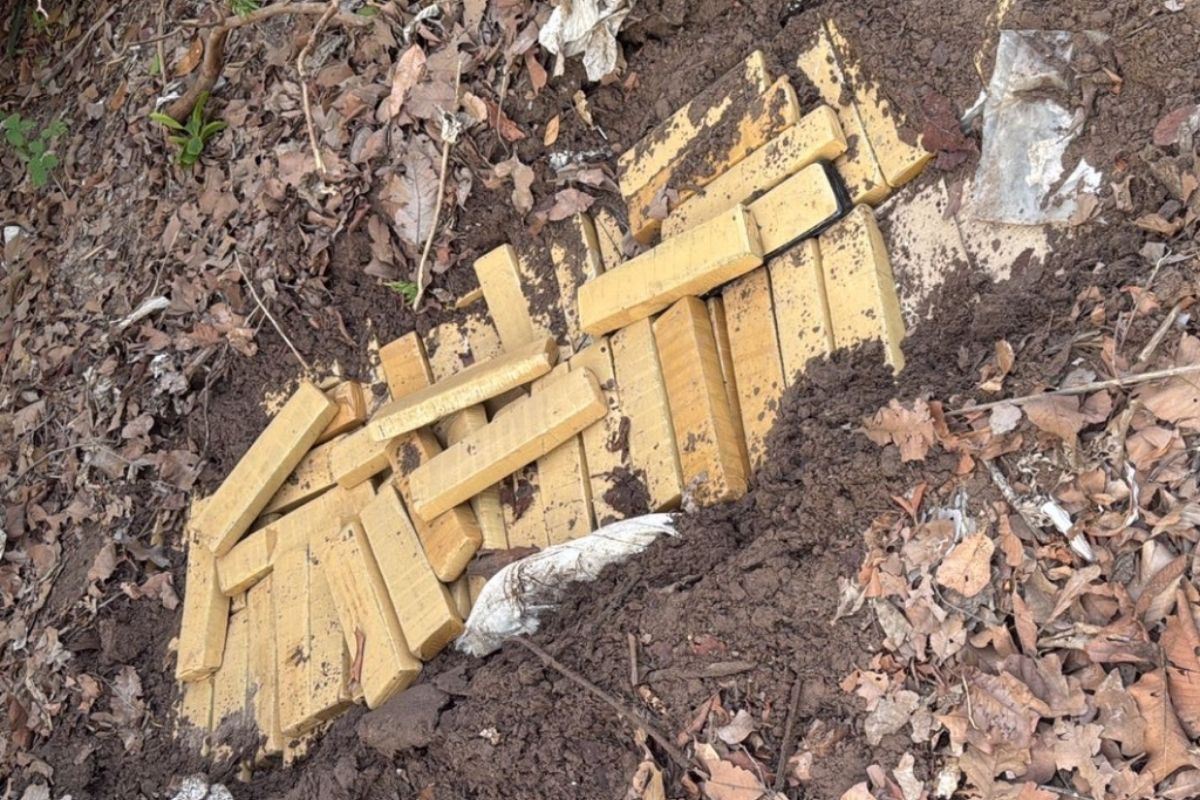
{"points": [[332, 561]]}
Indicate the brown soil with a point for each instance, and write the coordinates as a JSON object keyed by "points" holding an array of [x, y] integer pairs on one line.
{"points": [[753, 582]]}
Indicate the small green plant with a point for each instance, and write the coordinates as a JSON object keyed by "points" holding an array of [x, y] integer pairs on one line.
{"points": [[34, 150], [244, 7], [194, 135], [406, 289]]}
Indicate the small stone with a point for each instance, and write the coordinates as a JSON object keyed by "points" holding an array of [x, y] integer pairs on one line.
{"points": [[405, 722]]}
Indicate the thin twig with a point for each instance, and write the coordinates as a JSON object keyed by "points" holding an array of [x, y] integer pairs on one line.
{"points": [[633, 659], [1160, 334], [300, 68], [616, 705], [214, 48], [69, 58], [162, 54], [1095, 386], [789, 744], [447, 141], [267, 314]]}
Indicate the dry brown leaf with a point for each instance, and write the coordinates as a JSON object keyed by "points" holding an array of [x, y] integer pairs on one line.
{"points": [[103, 564], [568, 203], [890, 716], [537, 73], [727, 781], [1075, 587], [647, 783], [967, 569], [410, 67], [551, 134], [1181, 645], [741, 726], [858, 791], [522, 178], [910, 430], [1119, 715], [1059, 416], [1003, 708], [417, 196], [1178, 399], [509, 130], [191, 59], [1158, 593], [1166, 741]]}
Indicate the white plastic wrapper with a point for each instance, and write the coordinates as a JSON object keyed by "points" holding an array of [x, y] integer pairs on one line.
{"points": [[1021, 178], [588, 28], [513, 601]]}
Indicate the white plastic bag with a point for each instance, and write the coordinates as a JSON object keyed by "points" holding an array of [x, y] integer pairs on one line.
{"points": [[512, 602], [588, 28], [1026, 132]]}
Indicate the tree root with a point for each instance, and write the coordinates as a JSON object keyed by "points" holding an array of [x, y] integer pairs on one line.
{"points": [[214, 50]]}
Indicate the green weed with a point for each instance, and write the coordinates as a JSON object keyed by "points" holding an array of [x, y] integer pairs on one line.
{"points": [[194, 135], [34, 150], [406, 289]]}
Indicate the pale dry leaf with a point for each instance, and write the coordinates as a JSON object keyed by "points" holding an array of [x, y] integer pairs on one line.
{"points": [[909, 429], [890, 716], [1119, 715], [727, 781], [1004, 418], [568, 203], [103, 565], [551, 134], [858, 791], [417, 192], [911, 787], [410, 68], [191, 59], [1003, 708], [473, 11], [522, 177], [1059, 416], [475, 108], [1079, 582], [741, 726], [967, 569], [647, 783]]}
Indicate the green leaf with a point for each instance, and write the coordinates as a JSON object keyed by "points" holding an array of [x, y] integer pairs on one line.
{"points": [[50, 161], [14, 137], [368, 11], [195, 146], [212, 129], [54, 129], [155, 65], [178, 141], [37, 148], [37, 173], [166, 120], [406, 289]]}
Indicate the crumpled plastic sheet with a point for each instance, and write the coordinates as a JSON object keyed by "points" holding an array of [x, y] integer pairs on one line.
{"points": [[514, 599], [588, 28], [1026, 133]]}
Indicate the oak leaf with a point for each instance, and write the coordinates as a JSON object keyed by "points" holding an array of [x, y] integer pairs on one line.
{"points": [[967, 569], [909, 429]]}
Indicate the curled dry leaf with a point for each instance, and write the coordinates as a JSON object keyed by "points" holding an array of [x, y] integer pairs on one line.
{"points": [[909, 429], [522, 179], [967, 569]]}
